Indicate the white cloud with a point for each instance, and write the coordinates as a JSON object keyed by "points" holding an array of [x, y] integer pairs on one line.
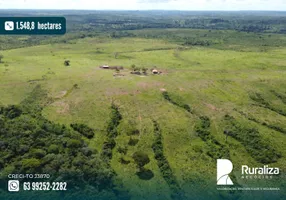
{"points": [[147, 4]]}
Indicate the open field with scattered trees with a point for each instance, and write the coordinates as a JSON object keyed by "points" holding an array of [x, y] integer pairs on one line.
{"points": [[220, 92]]}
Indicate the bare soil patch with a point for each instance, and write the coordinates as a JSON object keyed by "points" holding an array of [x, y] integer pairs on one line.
{"points": [[61, 94], [149, 85], [212, 107], [120, 92], [62, 107]]}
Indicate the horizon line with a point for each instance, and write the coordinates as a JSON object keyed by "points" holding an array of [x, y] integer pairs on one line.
{"points": [[56, 9]]}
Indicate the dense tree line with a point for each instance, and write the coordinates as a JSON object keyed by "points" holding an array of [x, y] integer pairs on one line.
{"points": [[112, 132], [118, 24], [195, 42], [164, 165]]}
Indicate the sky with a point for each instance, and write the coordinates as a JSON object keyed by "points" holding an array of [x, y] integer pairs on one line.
{"points": [[279, 5]]}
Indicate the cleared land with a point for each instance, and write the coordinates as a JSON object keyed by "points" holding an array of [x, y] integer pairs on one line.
{"points": [[214, 81]]}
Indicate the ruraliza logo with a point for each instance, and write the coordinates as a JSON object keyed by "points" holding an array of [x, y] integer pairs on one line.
{"points": [[224, 168]]}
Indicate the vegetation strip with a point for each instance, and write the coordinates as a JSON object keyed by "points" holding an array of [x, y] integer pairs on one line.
{"points": [[216, 150], [112, 133], [36, 101], [250, 138], [84, 130], [264, 104], [274, 127], [279, 96], [179, 104], [164, 166]]}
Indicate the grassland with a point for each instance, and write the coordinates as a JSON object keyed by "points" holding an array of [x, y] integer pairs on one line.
{"points": [[215, 81]]}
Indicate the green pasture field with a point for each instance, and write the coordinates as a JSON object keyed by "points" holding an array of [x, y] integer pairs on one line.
{"points": [[214, 80]]}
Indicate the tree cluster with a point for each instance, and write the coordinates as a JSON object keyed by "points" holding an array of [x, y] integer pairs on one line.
{"points": [[139, 70], [36, 145], [84, 130]]}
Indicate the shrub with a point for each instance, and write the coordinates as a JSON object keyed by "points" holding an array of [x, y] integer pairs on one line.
{"points": [[166, 96], [2, 163], [122, 150], [141, 159], [73, 143], [31, 163], [12, 111], [114, 122], [22, 149], [107, 148], [145, 174], [53, 149], [187, 107], [198, 43], [124, 161], [38, 153], [78, 161], [133, 142], [86, 151], [67, 63], [110, 143], [132, 131], [75, 86], [133, 67], [84, 130]]}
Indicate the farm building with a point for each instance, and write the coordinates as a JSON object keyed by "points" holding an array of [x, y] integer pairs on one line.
{"points": [[111, 67], [155, 71], [104, 67]]}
